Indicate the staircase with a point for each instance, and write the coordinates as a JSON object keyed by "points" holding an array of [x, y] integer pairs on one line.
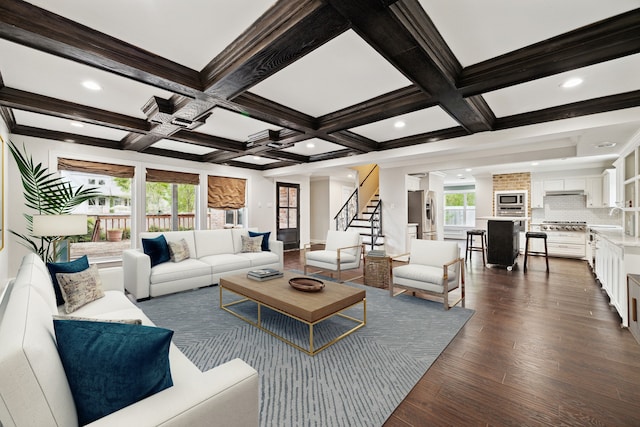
{"points": [[369, 225]]}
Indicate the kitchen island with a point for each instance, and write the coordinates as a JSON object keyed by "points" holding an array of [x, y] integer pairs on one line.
{"points": [[503, 240]]}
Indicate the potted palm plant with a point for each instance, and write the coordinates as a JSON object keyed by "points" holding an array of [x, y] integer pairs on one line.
{"points": [[47, 194]]}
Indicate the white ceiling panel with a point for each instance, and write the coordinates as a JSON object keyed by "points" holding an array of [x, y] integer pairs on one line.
{"points": [[344, 71], [235, 126], [26, 118], [167, 144], [313, 147], [53, 76], [478, 30], [190, 32], [255, 160], [415, 123], [607, 78]]}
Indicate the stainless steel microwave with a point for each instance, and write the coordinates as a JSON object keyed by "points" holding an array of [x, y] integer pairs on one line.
{"points": [[510, 199]]}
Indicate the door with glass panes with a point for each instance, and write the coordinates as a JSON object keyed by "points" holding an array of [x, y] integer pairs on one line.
{"points": [[288, 214]]}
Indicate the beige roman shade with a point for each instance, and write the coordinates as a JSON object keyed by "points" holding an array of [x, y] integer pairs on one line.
{"points": [[119, 171], [158, 175], [226, 193]]}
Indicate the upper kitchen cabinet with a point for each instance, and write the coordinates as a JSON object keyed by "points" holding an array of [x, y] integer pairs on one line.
{"points": [[567, 184], [593, 191], [609, 188], [537, 194]]}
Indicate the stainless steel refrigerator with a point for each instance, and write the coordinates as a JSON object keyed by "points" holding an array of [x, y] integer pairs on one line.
{"points": [[421, 211]]}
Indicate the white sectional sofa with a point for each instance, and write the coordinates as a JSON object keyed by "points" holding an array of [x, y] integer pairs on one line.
{"points": [[34, 390], [213, 253]]}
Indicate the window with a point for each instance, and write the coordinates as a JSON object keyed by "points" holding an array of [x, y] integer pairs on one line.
{"points": [[226, 201], [460, 206], [108, 216], [171, 200]]}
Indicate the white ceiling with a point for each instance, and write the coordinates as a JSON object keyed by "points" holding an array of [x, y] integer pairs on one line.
{"points": [[344, 71]]}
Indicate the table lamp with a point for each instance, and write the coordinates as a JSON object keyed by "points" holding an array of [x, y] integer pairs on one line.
{"points": [[59, 226]]}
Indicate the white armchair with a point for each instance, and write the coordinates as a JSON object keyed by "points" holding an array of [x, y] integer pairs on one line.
{"points": [[435, 268], [343, 251]]}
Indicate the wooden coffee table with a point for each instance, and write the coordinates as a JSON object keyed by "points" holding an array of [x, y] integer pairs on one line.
{"points": [[310, 308]]}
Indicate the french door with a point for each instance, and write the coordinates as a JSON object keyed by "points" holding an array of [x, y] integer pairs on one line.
{"points": [[288, 214]]}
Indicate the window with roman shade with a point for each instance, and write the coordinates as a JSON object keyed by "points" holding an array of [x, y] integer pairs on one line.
{"points": [[96, 168], [226, 193], [171, 200]]}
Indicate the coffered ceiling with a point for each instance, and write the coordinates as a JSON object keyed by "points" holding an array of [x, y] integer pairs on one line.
{"points": [[295, 85]]}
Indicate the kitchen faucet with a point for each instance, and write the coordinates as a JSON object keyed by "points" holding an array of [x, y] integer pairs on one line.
{"points": [[614, 209]]}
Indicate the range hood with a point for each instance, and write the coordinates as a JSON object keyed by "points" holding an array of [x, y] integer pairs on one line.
{"points": [[564, 193]]}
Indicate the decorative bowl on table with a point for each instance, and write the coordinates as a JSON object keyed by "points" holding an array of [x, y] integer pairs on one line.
{"points": [[306, 284]]}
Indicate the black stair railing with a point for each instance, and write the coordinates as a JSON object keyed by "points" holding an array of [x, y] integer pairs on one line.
{"points": [[348, 212], [375, 223]]}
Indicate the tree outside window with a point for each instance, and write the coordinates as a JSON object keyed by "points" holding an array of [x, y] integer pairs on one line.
{"points": [[460, 208]]}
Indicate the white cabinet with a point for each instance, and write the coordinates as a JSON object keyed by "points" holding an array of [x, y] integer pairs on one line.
{"points": [[609, 188], [537, 194], [611, 268], [593, 191], [553, 184], [574, 184], [567, 184]]}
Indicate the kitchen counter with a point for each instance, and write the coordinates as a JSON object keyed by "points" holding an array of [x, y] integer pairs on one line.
{"points": [[505, 218], [616, 236]]}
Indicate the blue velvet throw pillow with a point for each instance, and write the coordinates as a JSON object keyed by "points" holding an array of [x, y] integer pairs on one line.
{"points": [[265, 239], [112, 365], [75, 266], [157, 249]]}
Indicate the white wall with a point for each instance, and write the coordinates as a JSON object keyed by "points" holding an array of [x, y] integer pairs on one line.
{"points": [[4, 225], [260, 190], [319, 209], [393, 193], [484, 199]]}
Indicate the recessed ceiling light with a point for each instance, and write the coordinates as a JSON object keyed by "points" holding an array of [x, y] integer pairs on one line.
{"points": [[350, 176], [91, 85], [256, 157], [607, 144], [572, 82], [77, 124], [534, 163], [468, 169], [459, 175], [310, 145], [399, 124]]}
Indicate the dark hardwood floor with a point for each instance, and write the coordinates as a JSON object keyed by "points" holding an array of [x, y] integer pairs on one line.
{"points": [[540, 350]]}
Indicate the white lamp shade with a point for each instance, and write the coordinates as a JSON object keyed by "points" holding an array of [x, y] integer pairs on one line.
{"points": [[59, 225]]}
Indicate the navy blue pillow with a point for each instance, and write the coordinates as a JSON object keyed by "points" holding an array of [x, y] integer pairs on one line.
{"points": [[157, 249], [75, 266], [112, 365], [265, 239]]}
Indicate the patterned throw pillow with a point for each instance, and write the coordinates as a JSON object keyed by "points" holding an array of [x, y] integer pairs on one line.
{"points": [[74, 266], [251, 244], [93, 319], [179, 251], [80, 288], [265, 239]]}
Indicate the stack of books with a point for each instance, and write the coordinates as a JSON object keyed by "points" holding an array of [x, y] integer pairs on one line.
{"points": [[264, 274]]}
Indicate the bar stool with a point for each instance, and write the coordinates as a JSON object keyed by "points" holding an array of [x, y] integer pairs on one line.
{"points": [[471, 248], [535, 235]]}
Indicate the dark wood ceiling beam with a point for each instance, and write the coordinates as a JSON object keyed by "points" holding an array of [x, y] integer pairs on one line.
{"points": [[353, 141], [575, 109], [35, 103], [289, 30], [407, 38], [401, 101], [64, 136], [173, 154], [139, 142], [205, 140], [40, 29], [424, 138], [260, 108], [332, 155], [601, 41]]}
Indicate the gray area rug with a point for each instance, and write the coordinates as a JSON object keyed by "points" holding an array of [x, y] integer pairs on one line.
{"points": [[358, 381]]}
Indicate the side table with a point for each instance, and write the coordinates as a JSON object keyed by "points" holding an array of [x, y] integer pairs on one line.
{"points": [[377, 271]]}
